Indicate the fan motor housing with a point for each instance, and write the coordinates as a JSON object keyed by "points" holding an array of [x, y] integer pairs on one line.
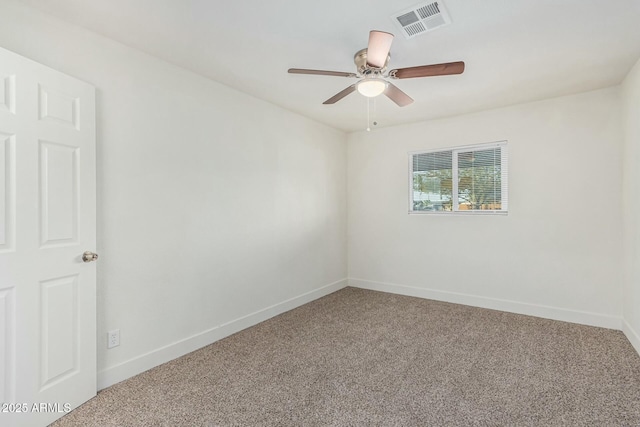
{"points": [[360, 59]]}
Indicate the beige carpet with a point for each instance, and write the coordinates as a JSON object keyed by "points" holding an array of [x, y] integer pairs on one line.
{"points": [[361, 358]]}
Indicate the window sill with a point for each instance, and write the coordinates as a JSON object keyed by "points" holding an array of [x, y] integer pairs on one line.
{"points": [[459, 213]]}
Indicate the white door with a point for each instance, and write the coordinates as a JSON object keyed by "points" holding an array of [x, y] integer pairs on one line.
{"points": [[47, 221]]}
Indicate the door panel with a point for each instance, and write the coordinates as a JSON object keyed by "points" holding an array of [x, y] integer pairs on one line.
{"points": [[59, 328], [7, 345], [58, 107], [58, 193], [7, 191], [47, 220], [7, 93]]}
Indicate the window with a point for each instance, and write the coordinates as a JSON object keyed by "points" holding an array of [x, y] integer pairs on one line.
{"points": [[471, 179]]}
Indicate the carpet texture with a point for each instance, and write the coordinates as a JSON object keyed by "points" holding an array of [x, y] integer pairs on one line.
{"points": [[361, 358]]}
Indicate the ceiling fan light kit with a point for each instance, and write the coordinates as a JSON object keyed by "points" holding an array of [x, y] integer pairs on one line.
{"points": [[371, 65], [371, 87]]}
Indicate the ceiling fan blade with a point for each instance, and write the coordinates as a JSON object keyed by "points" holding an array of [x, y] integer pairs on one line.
{"points": [[321, 72], [338, 96], [428, 70], [378, 49], [397, 96]]}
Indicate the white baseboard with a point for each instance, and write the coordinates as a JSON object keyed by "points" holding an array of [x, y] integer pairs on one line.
{"points": [[547, 312], [632, 335], [139, 364]]}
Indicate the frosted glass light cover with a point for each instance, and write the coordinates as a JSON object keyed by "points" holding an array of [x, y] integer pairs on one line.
{"points": [[371, 87]]}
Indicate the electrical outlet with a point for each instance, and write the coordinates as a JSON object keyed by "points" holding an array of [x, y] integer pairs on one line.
{"points": [[113, 338]]}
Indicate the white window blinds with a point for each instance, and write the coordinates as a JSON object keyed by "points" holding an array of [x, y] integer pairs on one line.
{"points": [[467, 179]]}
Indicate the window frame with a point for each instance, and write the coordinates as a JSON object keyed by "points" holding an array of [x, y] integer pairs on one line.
{"points": [[504, 173]]}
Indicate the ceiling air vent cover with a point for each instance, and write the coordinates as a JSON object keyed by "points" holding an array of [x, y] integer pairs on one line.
{"points": [[422, 18]]}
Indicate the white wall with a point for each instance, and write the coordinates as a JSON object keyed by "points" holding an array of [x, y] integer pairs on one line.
{"points": [[213, 205], [631, 204], [558, 252]]}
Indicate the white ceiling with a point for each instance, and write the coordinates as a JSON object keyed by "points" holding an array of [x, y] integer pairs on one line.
{"points": [[515, 50]]}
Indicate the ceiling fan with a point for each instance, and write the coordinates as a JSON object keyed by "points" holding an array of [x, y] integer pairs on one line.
{"points": [[371, 64]]}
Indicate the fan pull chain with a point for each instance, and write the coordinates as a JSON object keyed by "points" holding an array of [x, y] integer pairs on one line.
{"points": [[374, 112], [371, 118]]}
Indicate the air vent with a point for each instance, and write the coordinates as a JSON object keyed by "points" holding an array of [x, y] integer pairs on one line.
{"points": [[422, 18]]}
